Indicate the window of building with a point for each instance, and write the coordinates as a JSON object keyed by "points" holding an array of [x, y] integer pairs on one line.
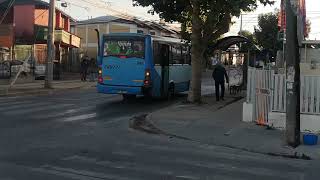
{"points": [[140, 31], [152, 33]]}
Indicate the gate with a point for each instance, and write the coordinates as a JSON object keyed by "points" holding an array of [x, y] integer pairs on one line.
{"points": [[259, 93], [5, 70], [263, 95]]}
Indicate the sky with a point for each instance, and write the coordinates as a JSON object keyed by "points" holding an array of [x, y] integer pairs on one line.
{"points": [[84, 9]]}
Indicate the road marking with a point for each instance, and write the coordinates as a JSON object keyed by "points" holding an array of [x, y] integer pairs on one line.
{"points": [[23, 106], [187, 177], [37, 109], [80, 117], [78, 174], [64, 113]]}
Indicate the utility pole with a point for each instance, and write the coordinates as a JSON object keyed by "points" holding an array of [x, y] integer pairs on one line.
{"points": [[293, 77], [241, 24], [50, 46]]}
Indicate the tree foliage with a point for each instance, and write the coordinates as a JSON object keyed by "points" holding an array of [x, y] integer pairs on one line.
{"points": [[308, 28], [203, 21], [247, 46], [267, 31], [214, 15]]}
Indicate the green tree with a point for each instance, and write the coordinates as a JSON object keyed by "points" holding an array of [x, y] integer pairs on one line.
{"points": [[308, 28], [266, 33], [247, 46], [205, 21]]}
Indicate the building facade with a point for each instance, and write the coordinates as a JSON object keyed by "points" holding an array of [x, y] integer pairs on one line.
{"points": [[25, 27], [111, 24]]}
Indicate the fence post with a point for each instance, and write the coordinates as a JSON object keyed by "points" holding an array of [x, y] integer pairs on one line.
{"points": [[253, 88], [248, 85]]}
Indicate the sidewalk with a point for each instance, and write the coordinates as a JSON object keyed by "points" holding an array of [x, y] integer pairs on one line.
{"points": [[219, 123], [36, 88]]}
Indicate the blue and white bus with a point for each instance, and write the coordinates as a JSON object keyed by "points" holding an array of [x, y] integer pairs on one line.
{"points": [[135, 64]]}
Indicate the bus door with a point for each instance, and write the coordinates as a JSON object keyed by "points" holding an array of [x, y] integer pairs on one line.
{"points": [[164, 53]]}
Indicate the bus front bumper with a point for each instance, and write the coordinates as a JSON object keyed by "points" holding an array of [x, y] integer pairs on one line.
{"points": [[109, 89]]}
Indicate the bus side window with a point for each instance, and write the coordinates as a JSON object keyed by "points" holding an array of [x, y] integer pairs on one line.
{"points": [[177, 57], [156, 53], [186, 55], [171, 55]]}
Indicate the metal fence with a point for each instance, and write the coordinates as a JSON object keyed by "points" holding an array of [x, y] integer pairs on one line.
{"points": [[278, 98], [266, 91], [310, 95], [251, 87]]}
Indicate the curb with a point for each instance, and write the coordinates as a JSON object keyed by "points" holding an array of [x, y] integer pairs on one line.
{"points": [[144, 123]]}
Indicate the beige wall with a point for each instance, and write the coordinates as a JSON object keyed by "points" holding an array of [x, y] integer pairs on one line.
{"points": [[115, 28], [91, 52], [88, 34]]}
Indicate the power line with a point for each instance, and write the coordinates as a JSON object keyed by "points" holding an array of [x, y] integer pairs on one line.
{"points": [[108, 8]]}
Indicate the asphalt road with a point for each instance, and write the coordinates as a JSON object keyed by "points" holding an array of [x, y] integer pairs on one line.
{"points": [[83, 135]]}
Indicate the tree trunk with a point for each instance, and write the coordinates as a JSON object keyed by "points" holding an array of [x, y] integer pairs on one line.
{"points": [[196, 55]]}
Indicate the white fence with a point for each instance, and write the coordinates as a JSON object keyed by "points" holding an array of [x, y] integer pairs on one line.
{"points": [[266, 92], [310, 95], [251, 85], [278, 97]]}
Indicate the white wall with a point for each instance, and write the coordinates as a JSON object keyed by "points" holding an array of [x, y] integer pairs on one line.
{"points": [[308, 123], [312, 55], [306, 69]]}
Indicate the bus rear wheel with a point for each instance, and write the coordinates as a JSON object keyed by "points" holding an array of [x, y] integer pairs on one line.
{"points": [[171, 91], [128, 97]]}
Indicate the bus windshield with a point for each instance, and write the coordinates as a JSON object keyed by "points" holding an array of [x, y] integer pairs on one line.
{"points": [[124, 48]]}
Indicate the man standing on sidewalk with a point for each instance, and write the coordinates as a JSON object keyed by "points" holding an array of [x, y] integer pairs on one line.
{"points": [[84, 68], [219, 73]]}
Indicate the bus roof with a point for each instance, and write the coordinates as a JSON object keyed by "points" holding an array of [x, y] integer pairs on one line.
{"points": [[168, 40], [154, 38], [125, 34]]}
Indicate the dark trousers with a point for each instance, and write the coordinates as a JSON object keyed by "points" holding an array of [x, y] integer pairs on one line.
{"points": [[83, 75], [217, 85]]}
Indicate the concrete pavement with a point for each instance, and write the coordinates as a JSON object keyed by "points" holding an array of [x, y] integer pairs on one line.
{"points": [[220, 124], [82, 135]]}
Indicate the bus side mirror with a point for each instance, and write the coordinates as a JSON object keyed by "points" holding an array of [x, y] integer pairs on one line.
{"points": [[99, 61]]}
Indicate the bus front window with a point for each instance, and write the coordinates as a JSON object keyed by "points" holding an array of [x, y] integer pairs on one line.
{"points": [[124, 48]]}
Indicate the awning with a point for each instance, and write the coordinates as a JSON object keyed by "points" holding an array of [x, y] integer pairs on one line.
{"points": [[224, 43]]}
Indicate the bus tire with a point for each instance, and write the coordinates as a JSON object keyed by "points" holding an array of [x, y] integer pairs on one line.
{"points": [[171, 91], [128, 97]]}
